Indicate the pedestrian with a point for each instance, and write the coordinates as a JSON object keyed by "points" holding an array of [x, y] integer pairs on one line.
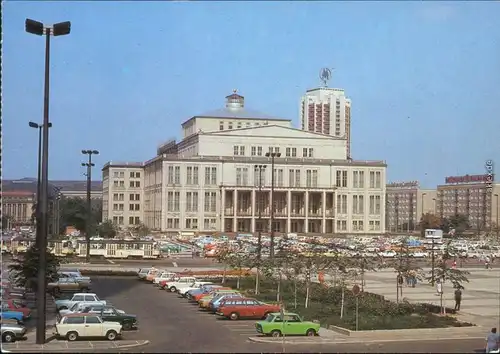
{"points": [[454, 266], [492, 341], [439, 287], [458, 298], [400, 282], [487, 263]]}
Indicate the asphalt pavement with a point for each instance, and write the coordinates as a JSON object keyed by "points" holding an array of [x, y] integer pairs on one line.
{"points": [[171, 324]]}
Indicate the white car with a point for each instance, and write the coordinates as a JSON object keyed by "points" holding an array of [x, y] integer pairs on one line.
{"points": [[196, 285], [81, 325], [164, 276], [387, 254], [179, 283], [419, 254]]}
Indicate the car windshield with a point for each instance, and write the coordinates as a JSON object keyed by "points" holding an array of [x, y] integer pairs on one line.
{"points": [[269, 318], [16, 304], [74, 307]]}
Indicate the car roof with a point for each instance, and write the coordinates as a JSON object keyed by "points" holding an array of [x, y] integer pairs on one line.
{"points": [[286, 314], [80, 314]]}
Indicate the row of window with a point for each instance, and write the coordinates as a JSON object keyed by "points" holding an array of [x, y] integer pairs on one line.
{"points": [[192, 223], [358, 179], [121, 174], [358, 225], [375, 202], [192, 175], [131, 207], [132, 220], [259, 177], [120, 197], [240, 150], [132, 184], [239, 125], [191, 202]]}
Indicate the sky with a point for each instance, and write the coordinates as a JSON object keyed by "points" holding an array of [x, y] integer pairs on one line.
{"points": [[423, 77]]}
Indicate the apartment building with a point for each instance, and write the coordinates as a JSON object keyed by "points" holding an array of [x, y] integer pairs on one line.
{"points": [[218, 178], [474, 196], [122, 193], [327, 111], [406, 202]]}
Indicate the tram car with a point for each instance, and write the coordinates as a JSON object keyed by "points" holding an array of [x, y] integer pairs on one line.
{"points": [[119, 249]]}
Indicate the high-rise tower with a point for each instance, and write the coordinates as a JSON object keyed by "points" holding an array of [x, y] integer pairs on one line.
{"points": [[327, 111]]}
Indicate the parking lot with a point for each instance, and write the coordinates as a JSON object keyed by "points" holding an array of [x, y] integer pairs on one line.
{"points": [[172, 324]]}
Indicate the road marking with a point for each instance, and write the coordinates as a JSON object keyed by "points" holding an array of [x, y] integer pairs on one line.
{"points": [[110, 261], [175, 264]]}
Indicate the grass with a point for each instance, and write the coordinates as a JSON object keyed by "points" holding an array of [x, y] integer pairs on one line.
{"points": [[374, 312]]}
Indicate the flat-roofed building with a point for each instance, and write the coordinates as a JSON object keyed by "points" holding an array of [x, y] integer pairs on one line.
{"points": [[219, 179], [473, 196]]}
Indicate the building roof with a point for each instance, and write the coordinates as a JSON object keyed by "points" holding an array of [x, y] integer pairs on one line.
{"points": [[80, 186], [237, 113], [24, 186]]}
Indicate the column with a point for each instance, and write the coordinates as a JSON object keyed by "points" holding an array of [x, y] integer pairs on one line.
{"points": [[222, 206], [289, 211], [306, 212], [323, 208], [252, 222], [235, 210]]}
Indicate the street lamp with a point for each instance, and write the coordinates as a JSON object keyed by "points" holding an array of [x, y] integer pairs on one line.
{"points": [[260, 169], [39, 29], [89, 166], [39, 179], [272, 155], [422, 207]]}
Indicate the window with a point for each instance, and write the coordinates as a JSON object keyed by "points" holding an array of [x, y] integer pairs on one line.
{"points": [[294, 152], [361, 179], [189, 175], [137, 197], [170, 175], [78, 298], [372, 179], [131, 207], [131, 220], [115, 196], [213, 178], [137, 175], [238, 125], [377, 205], [74, 320], [132, 174], [355, 179], [304, 152], [288, 152], [242, 151], [89, 298], [188, 201], [221, 125], [177, 175], [357, 204], [377, 179], [341, 203], [241, 176], [122, 174], [132, 184], [294, 178], [137, 220], [344, 179], [311, 152], [131, 196], [191, 223], [230, 125], [341, 225], [115, 220], [236, 150], [253, 151], [116, 174], [210, 202], [170, 201], [115, 183], [338, 179], [177, 198], [259, 150], [137, 207], [195, 175], [278, 177], [122, 183], [259, 177]]}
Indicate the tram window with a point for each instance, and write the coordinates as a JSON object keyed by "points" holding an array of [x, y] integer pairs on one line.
{"points": [[119, 246]]}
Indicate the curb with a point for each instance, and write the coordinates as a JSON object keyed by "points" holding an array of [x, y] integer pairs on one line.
{"points": [[138, 343], [316, 340]]}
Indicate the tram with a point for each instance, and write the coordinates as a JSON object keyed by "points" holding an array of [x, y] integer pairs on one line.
{"points": [[119, 249]]}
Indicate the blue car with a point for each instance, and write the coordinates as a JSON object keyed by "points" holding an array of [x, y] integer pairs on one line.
{"points": [[215, 302], [6, 314], [205, 289]]}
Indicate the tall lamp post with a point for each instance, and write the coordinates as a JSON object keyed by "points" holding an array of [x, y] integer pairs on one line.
{"points": [[39, 179], [260, 169], [272, 155], [89, 166], [39, 29]]}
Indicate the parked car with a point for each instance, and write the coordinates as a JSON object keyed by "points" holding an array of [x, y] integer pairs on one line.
{"points": [[65, 285], [235, 309], [81, 306], [214, 304], [8, 314], [16, 305], [143, 273], [7, 293], [182, 291], [195, 295], [167, 276], [109, 313], [78, 297], [182, 281], [81, 325], [293, 326], [204, 302], [75, 274], [12, 332], [97, 308]]}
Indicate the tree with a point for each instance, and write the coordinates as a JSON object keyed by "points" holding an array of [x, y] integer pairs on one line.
{"points": [[73, 212], [238, 261], [25, 268], [141, 230], [107, 229], [459, 222], [429, 221], [222, 256], [446, 274]]}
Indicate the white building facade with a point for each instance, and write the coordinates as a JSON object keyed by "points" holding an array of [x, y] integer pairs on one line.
{"points": [[219, 179], [327, 111]]}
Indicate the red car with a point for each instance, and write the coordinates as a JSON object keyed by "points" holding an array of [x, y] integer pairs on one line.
{"points": [[16, 305], [236, 308]]}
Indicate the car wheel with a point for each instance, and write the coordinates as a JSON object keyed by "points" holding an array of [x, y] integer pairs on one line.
{"points": [[111, 335], [310, 332], [275, 333], [72, 336], [173, 289], [127, 326], [234, 316], [8, 337]]}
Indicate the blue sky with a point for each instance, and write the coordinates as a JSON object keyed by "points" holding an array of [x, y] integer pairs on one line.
{"points": [[423, 77]]}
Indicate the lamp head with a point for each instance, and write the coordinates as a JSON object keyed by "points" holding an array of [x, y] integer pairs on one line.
{"points": [[33, 125]]}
